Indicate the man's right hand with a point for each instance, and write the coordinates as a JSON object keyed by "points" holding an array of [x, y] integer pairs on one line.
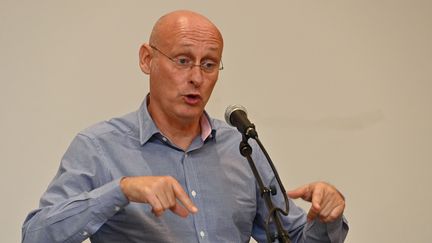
{"points": [[161, 192]]}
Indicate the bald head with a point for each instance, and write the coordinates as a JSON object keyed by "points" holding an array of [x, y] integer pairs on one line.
{"points": [[181, 21], [183, 60]]}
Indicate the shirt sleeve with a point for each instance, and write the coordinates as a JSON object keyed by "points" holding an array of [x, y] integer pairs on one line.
{"points": [[299, 230], [79, 200]]}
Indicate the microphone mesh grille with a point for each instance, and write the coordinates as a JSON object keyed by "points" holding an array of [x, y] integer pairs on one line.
{"points": [[230, 109]]}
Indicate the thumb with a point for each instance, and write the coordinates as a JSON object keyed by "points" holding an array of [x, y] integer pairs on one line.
{"points": [[300, 192]]}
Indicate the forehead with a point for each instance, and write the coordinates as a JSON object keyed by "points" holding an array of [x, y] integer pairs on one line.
{"points": [[192, 33]]}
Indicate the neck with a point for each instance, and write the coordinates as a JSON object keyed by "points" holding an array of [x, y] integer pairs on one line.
{"points": [[181, 135], [181, 132]]}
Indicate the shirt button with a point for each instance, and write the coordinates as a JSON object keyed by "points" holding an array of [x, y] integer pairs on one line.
{"points": [[164, 138], [84, 233], [194, 194], [202, 234], [186, 155], [116, 208]]}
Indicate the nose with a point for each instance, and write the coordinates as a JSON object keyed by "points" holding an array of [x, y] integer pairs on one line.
{"points": [[196, 76]]}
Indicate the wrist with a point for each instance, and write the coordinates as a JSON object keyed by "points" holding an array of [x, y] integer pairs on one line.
{"points": [[123, 186]]}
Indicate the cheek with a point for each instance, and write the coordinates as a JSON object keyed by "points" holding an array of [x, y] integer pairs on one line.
{"points": [[208, 88], [212, 82], [166, 80]]}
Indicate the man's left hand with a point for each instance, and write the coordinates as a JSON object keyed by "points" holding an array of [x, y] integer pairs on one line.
{"points": [[328, 203]]}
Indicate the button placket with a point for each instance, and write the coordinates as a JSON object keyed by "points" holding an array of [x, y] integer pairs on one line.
{"points": [[193, 189]]}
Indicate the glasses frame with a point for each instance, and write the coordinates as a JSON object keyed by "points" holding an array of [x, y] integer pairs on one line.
{"points": [[221, 67]]}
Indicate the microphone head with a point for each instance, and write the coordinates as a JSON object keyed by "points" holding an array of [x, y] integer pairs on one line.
{"points": [[230, 109]]}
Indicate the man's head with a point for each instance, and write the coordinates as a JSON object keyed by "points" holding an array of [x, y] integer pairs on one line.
{"points": [[182, 47]]}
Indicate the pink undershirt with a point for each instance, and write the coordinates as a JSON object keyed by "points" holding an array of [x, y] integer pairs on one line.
{"points": [[205, 127]]}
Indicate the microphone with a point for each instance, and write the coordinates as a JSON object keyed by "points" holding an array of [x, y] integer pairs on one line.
{"points": [[236, 116]]}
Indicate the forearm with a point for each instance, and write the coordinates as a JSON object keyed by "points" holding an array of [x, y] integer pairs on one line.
{"points": [[76, 218]]}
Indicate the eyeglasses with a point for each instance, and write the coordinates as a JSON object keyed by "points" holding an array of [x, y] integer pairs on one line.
{"points": [[185, 62]]}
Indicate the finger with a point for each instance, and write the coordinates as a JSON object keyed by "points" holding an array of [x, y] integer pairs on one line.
{"points": [[335, 214], [312, 214], [326, 208], [167, 197], [156, 205], [330, 201], [162, 200], [157, 213], [334, 209], [170, 198], [327, 204], [181, 195], [317, 198], [300, 192], [179, 210]]}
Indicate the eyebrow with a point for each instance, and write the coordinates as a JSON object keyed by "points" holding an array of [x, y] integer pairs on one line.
{"points": [[212, 48]]}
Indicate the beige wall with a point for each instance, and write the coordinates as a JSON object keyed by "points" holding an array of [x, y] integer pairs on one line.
{"points": [[339, 91]]}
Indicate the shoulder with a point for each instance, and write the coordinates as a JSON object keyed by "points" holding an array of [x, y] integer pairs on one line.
{"points": [[225, 133], [222, 127], [123, 125]]}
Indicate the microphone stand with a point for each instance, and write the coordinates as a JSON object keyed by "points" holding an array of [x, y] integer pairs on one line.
{"points": [[266, 192]]}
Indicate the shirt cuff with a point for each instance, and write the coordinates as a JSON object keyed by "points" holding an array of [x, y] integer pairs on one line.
{"points": [[335, 231], [111, 199]]}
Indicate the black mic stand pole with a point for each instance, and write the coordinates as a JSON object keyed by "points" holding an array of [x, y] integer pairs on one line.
{"points": [[246, 151]]}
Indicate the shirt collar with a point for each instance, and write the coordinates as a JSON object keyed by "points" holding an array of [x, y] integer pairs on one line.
{"points": [[147, 127]]}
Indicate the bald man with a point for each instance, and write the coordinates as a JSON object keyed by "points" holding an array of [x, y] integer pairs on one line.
{"points": [[168, 172]]}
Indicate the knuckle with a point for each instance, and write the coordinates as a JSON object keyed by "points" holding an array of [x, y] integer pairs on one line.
{"points": [[160, 179], [158, 209], [332, 194], [168, 180], [172, 204], [146, 191], [332, 217], [320, 184]]}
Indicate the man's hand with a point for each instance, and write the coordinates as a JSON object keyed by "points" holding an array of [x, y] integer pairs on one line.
{"points": [[327, 202], [161, 192]]}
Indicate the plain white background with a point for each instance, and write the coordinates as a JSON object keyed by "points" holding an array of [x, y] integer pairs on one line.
{"points": [[339, 91]]}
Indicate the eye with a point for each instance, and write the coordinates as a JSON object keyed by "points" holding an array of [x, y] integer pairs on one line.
{"points": [[208, 65], [183, 61]]}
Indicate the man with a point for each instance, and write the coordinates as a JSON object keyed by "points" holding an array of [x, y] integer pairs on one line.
{"points": [[168, 172]]}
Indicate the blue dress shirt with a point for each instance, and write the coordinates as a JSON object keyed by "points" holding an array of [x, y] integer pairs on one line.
{"points": [[85, 200]]}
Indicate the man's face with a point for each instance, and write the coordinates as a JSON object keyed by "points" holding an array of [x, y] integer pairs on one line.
{"points": [[182, 94]]}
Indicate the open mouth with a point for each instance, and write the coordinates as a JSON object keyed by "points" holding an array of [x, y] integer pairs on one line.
{"points": [[193, 96], [192, 99]]}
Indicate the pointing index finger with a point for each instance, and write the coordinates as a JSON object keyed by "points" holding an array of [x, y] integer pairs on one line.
{"points": [[181, 195], [317, 197], [297, 193]]}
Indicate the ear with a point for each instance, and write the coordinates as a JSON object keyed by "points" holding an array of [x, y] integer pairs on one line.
{"points": [[145, 57]]}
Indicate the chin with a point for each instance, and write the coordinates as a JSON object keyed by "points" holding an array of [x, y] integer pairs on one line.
{"points": [[191, 113]]}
